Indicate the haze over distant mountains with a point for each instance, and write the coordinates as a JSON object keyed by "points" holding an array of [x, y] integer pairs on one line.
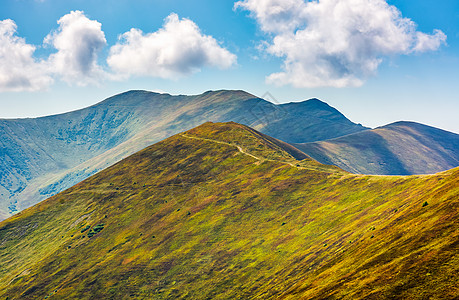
{"points": [[401, 148], [43, 156]]}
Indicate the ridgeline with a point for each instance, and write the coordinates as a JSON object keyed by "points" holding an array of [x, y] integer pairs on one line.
{"points": [[224, 212]]}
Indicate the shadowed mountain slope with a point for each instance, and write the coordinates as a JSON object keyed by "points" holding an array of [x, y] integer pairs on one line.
{"points": [[222, 212], [401, 148], [322, 122], [40, 157]]}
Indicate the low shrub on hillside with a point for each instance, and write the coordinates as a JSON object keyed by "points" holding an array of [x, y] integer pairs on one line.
{"points": [[85, 228], [96, 229]]}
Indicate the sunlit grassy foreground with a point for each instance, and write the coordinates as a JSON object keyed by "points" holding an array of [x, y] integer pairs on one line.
{"points": [[222, 212]]}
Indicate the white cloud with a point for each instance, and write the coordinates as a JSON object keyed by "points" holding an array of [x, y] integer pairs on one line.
{"points": [[178, 48], [274, 15], [78, 41], [19, 71], [335, 42], [429, 42]]}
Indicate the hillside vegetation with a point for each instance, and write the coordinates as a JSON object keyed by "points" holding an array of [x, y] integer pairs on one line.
{"points": [[223, 212], [40, 157]]}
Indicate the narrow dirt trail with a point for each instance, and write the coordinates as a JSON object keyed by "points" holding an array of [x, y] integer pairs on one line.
{"points": [[240, 149], [224, 143]]}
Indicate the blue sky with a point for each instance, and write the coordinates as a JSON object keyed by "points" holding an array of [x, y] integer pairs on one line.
{"points": [[290, 48]]}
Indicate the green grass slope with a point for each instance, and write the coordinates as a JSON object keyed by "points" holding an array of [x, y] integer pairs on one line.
{"points": [[40, 157], [222, 212], [402, 148]]}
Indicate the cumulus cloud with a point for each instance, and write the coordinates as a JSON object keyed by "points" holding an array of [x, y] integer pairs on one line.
{"points": [[429, 42], [19, 71], [275, 16], [335, 42], [178, 48], [78, 41]]}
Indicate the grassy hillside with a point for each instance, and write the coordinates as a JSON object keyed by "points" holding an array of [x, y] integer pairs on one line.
{"points": [[41, 157], [223, 212], [401, 148]]}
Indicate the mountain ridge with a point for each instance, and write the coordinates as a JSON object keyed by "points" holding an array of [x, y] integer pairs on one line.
{"points": [[399, 148], [199, 218], [45, 155]]}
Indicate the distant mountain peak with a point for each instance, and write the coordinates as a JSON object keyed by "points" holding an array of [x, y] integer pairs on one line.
{"points": [[399, 148], [225, 95], [316, 100], [224, 91], [414, 126], [402, 123], [132, 92], [312, 104]]}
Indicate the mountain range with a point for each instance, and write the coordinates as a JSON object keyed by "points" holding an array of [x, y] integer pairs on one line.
{"points": [[401, 148], [40, 157], [223, 211]]}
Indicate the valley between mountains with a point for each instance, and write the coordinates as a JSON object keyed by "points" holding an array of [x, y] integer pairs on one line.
{"points": [[223, 211]]}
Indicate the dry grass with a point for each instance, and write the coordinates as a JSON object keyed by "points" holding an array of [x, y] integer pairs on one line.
{"points": [[199, 219]]}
